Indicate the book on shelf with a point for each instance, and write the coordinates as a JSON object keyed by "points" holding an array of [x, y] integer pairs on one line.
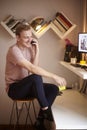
{"points": [[63, 23], [36, 21], [14, 24], [11, 23], [58, 25], [14, 27], [38, 26], [64, 19], [20, 21], [43, 26]]}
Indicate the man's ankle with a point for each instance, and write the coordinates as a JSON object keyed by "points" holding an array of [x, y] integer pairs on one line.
{"points": [[47, 114]]}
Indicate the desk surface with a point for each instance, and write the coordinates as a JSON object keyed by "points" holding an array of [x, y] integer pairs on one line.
{"points": [[77, 70]]}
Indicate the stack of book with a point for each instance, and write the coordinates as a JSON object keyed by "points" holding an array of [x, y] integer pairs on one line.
{"points": [[38, 24], [61, 22], [43, 26], [17, 24], [12, 23]]}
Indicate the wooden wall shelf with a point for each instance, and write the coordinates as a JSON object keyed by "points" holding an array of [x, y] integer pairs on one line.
{"points": [[61, 25]]}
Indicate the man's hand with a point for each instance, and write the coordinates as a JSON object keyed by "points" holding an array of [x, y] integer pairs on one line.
{"points": [[35, 46], [60, 80]]}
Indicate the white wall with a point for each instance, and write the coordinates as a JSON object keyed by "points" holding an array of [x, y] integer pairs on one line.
{"points": [[51, 47]]}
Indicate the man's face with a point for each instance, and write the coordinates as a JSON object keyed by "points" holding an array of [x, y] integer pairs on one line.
{"points": [[25, 38]]}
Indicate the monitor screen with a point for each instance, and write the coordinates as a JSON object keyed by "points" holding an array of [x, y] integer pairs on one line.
{"points": [[82, 42]]}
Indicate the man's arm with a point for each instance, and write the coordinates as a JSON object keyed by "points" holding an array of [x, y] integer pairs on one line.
{"points": [[40, 71]]}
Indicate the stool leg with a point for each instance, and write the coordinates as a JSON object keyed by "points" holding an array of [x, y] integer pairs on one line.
{"points": [[12, 113], [18, 112], [34, 110], [28, 114]]}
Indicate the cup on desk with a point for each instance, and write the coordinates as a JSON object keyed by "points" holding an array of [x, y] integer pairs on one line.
{"points": [[73, 60]]}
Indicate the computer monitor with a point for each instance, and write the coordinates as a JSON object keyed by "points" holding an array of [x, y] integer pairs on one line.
{"points": [[82, 42]]}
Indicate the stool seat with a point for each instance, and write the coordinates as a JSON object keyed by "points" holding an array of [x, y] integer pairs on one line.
{"points": [[18, 109]]}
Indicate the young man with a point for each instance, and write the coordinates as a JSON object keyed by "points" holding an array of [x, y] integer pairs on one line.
{"points": [[23, 75]]}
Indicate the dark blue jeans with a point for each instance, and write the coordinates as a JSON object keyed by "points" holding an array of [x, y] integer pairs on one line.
{"points": [[33, 86]]}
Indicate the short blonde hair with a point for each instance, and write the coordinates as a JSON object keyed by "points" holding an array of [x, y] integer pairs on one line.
{"points": [[22, 27]]}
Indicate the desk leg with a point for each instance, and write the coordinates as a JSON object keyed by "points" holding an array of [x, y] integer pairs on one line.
{"points": [[84, 86]]}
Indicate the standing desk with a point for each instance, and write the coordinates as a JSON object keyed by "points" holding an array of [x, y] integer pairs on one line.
{"points": [[78, 71]]}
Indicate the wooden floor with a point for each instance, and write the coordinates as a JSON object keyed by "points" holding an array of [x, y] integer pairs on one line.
{"points": [[70, 110], [7, 127]]}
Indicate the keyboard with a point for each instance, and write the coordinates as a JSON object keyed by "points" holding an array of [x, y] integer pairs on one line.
{"points": [[81, 66], [76, 65]]}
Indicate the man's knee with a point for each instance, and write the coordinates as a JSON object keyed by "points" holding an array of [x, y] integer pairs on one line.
{"points": [[37, 77]]}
